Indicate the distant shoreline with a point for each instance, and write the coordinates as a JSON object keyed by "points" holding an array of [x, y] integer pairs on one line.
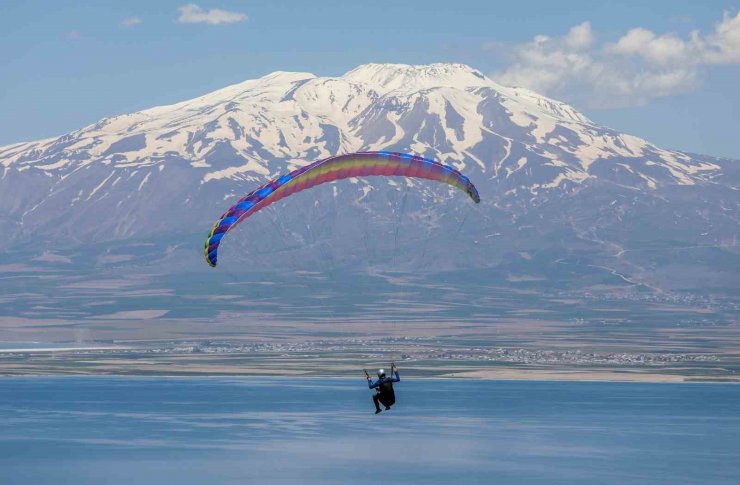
{"points": [[476, 375], [345, 358]]}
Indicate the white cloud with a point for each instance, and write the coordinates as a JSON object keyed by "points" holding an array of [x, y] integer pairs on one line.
{"points": [[74, 35], [546, 64], [723, 45], [194, 14], [130, 22], [664, 50], [640, 66], [580, 37]]}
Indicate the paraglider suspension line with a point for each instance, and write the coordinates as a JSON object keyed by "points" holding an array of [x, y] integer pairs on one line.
{"points": [[465, 218], [401, 212]]}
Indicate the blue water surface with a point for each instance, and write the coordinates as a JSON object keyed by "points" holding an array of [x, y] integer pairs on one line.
{"points": [[214, 430]]}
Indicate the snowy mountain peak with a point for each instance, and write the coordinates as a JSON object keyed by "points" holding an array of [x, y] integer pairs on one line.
{"points": [[545, 173], [258, 128], [389, 77], [272, 82], [557, 109]]}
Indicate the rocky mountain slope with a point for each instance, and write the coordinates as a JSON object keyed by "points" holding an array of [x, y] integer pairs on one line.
{"points": [[563, 199]]}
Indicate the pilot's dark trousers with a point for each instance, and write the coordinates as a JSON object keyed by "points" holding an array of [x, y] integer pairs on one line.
{"points": [[386, 399]]}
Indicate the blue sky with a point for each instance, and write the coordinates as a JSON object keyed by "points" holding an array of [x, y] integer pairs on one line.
{"points": [[631, 65]]}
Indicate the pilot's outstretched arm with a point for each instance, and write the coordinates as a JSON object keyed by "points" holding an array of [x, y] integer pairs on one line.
{"points": [[394, 373]]}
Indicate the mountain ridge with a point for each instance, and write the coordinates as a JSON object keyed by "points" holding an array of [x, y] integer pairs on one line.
{"points": [[363, 82], [531, 157]]}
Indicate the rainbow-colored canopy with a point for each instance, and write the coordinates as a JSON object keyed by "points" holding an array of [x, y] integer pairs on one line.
{"points": [[361, 164]]}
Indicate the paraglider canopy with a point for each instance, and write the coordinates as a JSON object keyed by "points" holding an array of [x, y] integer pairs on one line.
{"points": [[361, 164]]}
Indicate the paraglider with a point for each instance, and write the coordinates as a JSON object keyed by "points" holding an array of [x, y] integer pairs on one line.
{"points": [[361, 164], [384, 394]]}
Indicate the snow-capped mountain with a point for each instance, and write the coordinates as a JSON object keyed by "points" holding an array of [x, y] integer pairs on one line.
{"points": [[556, 187]]}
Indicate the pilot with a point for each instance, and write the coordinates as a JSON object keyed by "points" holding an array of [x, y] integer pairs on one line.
{"points": [[384, 387]]}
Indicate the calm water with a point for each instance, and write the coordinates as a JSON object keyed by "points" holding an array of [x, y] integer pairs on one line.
{"points": [[226, 430]]}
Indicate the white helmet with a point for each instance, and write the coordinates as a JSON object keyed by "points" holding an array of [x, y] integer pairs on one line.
{"points": [[381, 373]]}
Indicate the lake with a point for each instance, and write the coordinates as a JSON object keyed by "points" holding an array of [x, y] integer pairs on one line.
{"points": [[138, 430]]}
